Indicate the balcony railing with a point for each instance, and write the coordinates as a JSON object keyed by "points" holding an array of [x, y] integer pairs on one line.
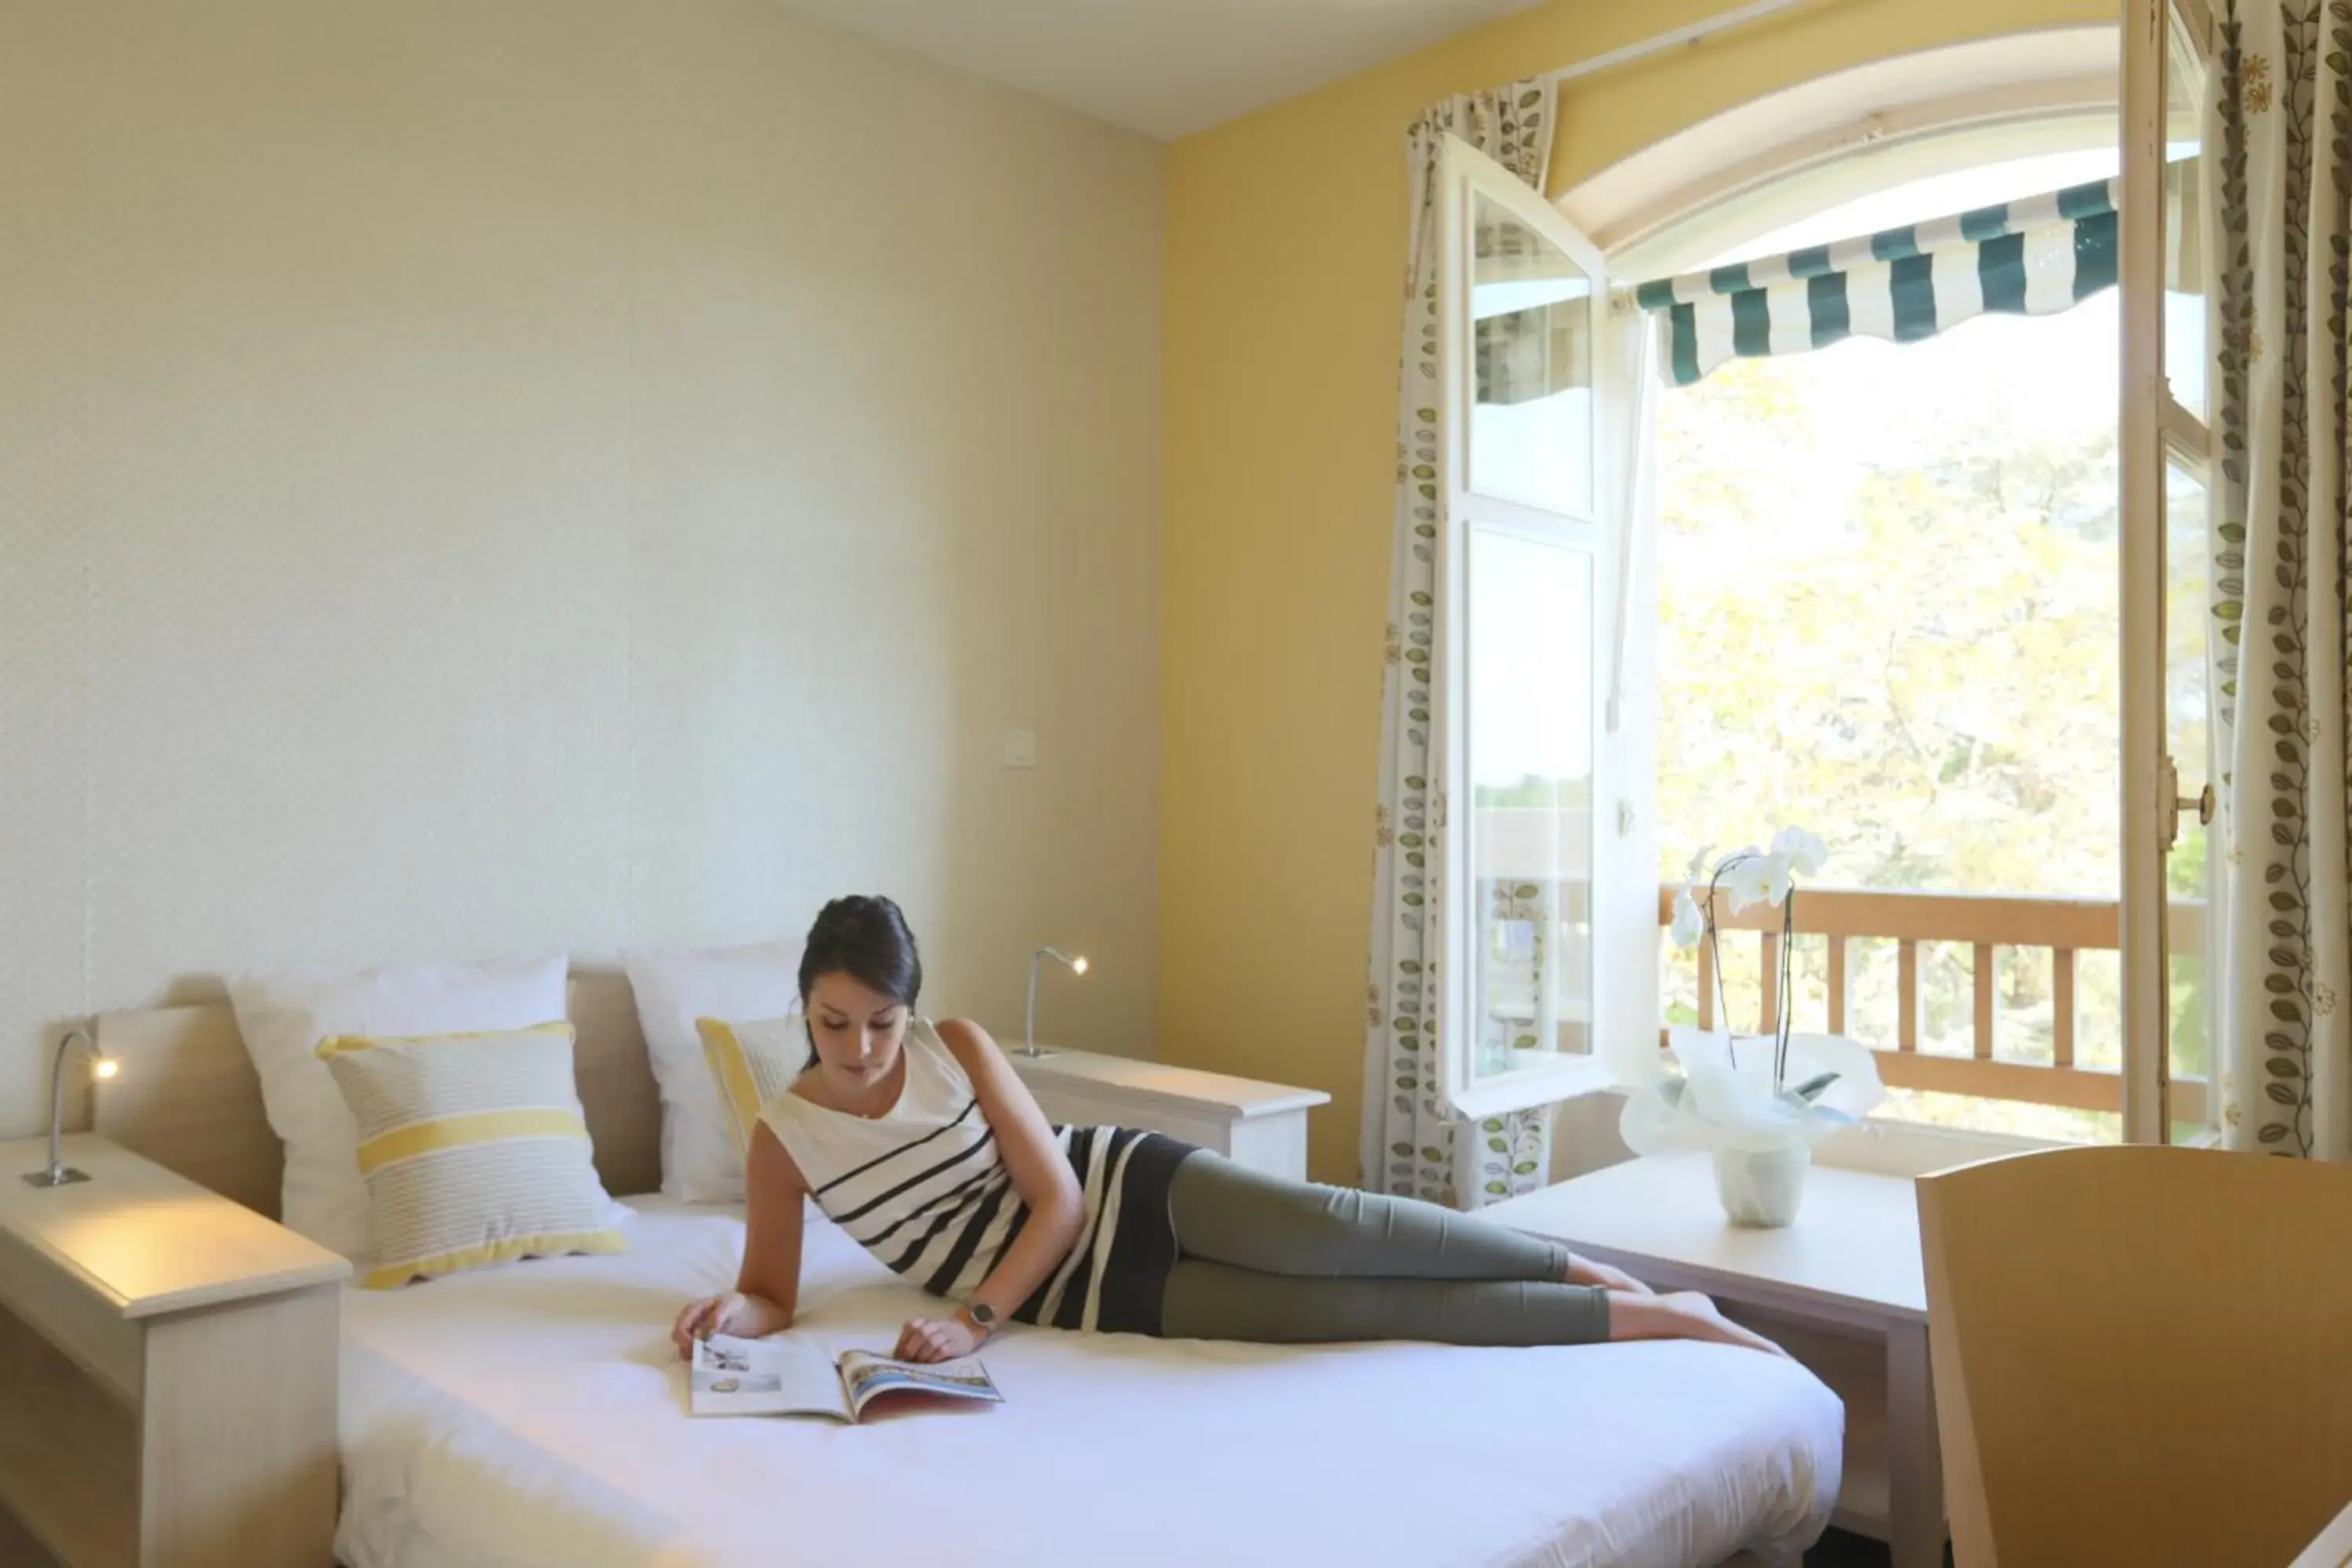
{"points": [[2064, 927]]}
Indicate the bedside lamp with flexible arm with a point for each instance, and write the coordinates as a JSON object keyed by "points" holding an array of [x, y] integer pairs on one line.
{"points": [[58, 1173], [1029, 1047]]}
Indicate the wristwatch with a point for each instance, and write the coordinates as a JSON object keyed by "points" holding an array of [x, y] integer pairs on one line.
{"points": [[981, 1316]]}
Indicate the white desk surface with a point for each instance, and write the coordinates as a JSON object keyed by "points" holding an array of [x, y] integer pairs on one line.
{"points": [[148, 1241], [1855, 1242], [1241, 1099]]}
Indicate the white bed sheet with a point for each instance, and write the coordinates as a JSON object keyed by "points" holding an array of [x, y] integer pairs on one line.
{"points": [[535, 1415]]}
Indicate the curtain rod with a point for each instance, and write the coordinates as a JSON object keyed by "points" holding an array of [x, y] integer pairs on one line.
{"points": [[1696, 32]]}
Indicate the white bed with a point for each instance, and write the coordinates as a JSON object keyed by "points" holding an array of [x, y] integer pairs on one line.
{"points": [[534, 1415]]}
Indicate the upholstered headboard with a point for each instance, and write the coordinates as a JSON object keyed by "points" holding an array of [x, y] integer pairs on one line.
{"points": [[188, 1098]]}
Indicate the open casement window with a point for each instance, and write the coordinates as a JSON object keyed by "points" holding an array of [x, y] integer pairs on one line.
{"points": [[2173, 677], [1539, 857]]}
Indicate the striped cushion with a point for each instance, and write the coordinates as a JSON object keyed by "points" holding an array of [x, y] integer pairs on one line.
{"points": [[474, 1150], [752, 1064]]}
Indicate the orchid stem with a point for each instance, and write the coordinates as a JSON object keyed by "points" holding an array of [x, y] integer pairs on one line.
{"points": [[1787, 997], [1783, 1025], [1715, 950]]}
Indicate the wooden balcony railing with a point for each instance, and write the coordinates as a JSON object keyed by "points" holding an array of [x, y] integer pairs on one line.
{"points": [[2065, 927]]}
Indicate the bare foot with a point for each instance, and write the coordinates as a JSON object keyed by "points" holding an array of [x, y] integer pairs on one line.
{"points": [[1584, 1271], [1684, 1315], [1729, 1332]]}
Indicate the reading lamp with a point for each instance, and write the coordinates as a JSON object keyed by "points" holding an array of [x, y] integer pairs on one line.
{"points": [[1029, 1033], [59, 1173]]}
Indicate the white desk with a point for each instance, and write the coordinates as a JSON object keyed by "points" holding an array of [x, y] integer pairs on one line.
{"points": [[1850, 1265], [1261, 1125]]}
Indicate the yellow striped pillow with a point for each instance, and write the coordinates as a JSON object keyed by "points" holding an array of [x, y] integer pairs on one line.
{"points": [[474, 1150], [752, 1064]]}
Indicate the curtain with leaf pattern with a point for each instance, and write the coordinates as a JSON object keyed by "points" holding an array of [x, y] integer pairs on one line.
{"points": [[2280, 112], [1411, 1144]]}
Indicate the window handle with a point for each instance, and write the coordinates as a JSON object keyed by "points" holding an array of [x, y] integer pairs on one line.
{"points": [[2171, 803]]}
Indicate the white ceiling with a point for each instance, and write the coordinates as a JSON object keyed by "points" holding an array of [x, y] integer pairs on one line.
{"points": [[1165, 67]]}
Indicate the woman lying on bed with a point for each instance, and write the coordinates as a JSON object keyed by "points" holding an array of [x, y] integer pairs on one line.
{"points": [[922, 1145]]}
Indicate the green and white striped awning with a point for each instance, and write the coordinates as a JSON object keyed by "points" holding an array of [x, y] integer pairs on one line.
{"points": [[2032, 257]]}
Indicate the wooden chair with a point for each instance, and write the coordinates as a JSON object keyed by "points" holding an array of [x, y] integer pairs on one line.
{"points": [[2141, 1355]]}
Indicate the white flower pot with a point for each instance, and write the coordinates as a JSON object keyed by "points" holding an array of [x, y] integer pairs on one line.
{"points": [[1761, 1187]]}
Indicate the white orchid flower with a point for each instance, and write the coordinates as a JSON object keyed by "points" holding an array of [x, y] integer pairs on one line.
{"points": [[1753, 877], [1723, 867], [1803, 850], [1689, 925], [1689, 922]]}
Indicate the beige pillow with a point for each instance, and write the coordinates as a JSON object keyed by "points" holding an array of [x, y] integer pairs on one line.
{"points": [[752, 1064], [473, 1148]]}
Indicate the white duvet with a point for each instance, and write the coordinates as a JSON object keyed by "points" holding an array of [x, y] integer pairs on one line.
{"points": [[535, 1415]]}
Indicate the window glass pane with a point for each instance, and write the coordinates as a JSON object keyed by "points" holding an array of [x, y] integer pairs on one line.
{"points": [[2184, 262], [1530, 743], [1531, 311], [2188, 736]]}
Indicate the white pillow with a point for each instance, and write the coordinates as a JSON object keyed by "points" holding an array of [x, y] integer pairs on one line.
{"points": [[674, 988], [284, 1016]]}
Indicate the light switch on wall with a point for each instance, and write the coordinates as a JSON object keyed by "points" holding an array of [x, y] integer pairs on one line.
{"points": [[1020, 748]]}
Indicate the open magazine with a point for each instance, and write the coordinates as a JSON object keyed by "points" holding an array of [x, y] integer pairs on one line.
{"points": [[796, 1376]]}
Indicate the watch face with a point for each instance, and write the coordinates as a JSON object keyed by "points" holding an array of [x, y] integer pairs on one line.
{"points": [[983, 1314]]}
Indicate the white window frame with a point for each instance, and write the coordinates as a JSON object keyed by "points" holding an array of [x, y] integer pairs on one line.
{"points": [[1464, 176]]}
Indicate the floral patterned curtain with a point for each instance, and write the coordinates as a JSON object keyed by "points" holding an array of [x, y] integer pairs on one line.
{"points": [[1411, 1145], [2281, 114]]}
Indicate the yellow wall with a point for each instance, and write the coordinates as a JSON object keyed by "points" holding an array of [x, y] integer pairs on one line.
{"points": [[1284, 245]]}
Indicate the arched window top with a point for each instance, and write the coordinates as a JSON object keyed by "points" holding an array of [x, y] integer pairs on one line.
{"points": [[1696, 194]]}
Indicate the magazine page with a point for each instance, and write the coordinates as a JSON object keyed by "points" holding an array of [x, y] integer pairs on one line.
{"points": [[786, 1376], [866, 1377]]}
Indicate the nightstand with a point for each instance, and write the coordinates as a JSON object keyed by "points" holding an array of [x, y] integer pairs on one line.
{"points": [[1261, 1125], [167, 1370]]}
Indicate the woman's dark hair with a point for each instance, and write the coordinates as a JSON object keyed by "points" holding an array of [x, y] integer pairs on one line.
{"points": [[867, 940]]}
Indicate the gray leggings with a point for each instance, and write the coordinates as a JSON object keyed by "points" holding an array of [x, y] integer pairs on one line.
{"points": [[1281, 1262]]}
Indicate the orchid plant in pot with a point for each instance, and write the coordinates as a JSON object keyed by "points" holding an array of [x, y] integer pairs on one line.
{"points": [[1758, 1103]]}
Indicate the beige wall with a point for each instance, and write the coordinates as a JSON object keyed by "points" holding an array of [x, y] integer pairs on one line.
{"points": [[1286, 246], [481, 476]]}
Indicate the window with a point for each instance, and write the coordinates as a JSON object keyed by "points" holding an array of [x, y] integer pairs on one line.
{"points": [[1524, 573], [1891, 585]]}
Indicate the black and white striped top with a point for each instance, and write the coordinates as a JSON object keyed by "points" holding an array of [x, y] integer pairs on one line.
{"points": [[926, 1190]]}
